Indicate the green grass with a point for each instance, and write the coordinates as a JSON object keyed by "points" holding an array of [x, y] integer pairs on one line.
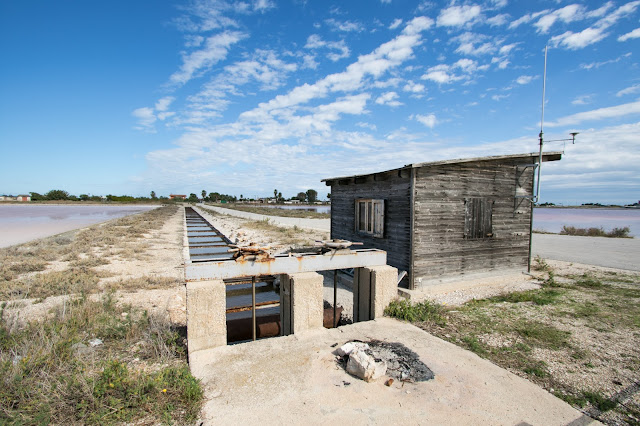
{"points": [[540, 334], [425, 311], [49, 373]]}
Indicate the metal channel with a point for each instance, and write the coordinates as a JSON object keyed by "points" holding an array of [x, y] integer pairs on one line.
{"points": [[256, 295]]}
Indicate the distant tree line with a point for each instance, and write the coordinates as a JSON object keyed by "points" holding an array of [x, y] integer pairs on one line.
{"points": [[61, 195]]}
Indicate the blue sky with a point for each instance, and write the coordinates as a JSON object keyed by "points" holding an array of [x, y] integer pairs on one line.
{"points": [[125, 97]]}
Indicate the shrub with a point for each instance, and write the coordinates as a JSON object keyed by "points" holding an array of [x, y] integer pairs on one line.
{"points": [[425, 311]]}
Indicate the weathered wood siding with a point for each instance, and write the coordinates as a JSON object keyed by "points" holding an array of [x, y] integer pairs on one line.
{"points": [[440, 248], [395, 190]]}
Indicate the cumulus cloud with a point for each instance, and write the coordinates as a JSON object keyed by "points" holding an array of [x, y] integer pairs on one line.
{"points": [[456, 16], [445, 74], [428, 120], [566, 14], [389, 98]]}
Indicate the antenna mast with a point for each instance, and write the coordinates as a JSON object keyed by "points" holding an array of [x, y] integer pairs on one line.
{"points": [[536, 198]]}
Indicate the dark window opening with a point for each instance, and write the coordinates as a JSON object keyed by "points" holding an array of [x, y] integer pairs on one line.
{"points": [[478, 222]]}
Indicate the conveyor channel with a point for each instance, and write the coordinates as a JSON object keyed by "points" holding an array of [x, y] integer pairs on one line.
{"points": [[206, 244]]}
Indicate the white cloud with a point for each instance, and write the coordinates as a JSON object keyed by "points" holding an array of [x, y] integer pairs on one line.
{"points": [[632, 34], [344, 26], [582, 100], [524, 79], [163, 103], [314, 41], [445, 74], [498, 98], [566, 14], [418, 25], [527, 18], [474, 44], [579, 40], [599, 64], [263, 5], [389, 98], [414, 87], [629, 90], [595, 33], [367, 125], [498, 20], [395, 24], [597, 114], [215, 50], [456, 16], [145, 117], [428, 120]]}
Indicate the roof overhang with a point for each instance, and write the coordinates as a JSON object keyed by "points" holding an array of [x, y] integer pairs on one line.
{"points": [[532, 157]]}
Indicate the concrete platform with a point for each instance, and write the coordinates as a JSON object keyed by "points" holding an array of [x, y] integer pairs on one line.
{"points": [[295, 380]]}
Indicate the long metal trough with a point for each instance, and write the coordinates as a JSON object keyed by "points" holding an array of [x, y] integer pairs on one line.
{"points": [[252, 303]]}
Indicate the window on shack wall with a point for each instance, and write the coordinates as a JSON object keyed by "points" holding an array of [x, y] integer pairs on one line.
{"points": [[370, 217], [478, 219]]}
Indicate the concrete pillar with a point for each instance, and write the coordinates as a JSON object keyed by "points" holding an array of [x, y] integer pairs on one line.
{"points": [[374, 288], [206, 315], [301, 302]]}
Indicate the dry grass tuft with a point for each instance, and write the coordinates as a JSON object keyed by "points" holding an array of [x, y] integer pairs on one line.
{"points": [[52, 373]]}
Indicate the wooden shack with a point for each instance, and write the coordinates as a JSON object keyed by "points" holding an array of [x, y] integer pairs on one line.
{"points": [[443, 218]]}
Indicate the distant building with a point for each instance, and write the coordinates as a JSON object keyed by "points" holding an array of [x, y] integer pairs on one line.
{"points": [[21, 198], [443, 218], [174, 196]]}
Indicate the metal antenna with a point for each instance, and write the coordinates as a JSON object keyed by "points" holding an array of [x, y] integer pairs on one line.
{"points": [[541, 135]]}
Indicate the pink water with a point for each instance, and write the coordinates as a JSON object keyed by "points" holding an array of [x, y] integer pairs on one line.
{"points": [[22, 223]]}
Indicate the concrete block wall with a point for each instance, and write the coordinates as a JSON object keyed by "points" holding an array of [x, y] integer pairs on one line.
{"points": [[374, 288], [206, 315], [301, 302]]}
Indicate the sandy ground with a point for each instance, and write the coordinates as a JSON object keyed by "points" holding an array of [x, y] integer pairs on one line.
{"points": [[295, 379], [317, 224], [161, 258], [620, 253]]}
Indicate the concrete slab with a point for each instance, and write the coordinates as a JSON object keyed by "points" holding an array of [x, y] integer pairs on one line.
{"points": [[295, 380]]}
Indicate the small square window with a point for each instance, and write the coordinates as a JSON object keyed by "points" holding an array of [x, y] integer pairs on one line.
{"points": [[370, 217], [478, 218]]}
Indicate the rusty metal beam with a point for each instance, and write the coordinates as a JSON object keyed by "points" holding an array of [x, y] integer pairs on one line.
{"points": [[285, 264]]}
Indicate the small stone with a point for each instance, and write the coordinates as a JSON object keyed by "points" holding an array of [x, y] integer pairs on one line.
{"points": [[95, 342], [363, 366], [349, 347], [388, 382]]}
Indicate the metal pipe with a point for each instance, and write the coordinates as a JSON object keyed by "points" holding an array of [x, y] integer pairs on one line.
{"points": [[253, 307], [541, 135], [335, 295]]}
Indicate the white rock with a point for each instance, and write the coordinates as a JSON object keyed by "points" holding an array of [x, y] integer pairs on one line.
{"points": [[362, 365], [347, 348], [95, 342]]}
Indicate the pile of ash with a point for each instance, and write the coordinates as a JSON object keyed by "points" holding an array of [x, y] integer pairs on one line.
{"points": [[374, 359]]}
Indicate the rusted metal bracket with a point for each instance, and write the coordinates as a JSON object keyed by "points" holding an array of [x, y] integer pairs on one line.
{"points": [[284, 264]]}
